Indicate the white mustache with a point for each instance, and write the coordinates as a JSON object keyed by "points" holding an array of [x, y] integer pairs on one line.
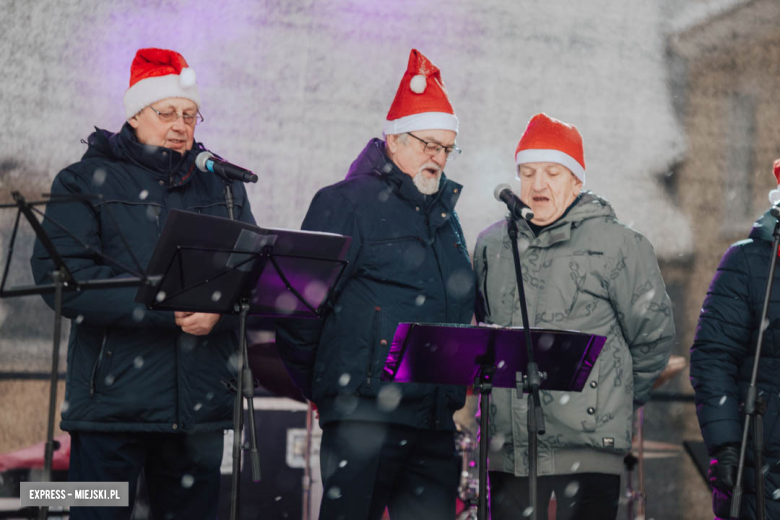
{"points": [[432, 166]]}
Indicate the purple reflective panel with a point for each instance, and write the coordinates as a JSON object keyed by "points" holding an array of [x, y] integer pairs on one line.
{"points": [[452, 355]]}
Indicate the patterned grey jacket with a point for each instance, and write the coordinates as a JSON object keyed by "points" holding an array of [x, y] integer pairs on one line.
{"points": [[586, 272]]}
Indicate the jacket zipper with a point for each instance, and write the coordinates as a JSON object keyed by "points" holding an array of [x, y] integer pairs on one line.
{"points": [[372, 348], [431, 239], [96, 366]]}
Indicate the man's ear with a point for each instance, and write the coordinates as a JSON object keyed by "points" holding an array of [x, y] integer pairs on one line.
{"points": [[133, 122], [392, 143], [576, 186]]}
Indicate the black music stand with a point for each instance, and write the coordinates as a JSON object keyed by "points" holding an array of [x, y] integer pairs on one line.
{"points": [[489, 357], [62, 281], [217, 265]]}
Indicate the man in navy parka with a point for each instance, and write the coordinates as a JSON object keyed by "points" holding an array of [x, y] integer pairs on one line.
{"points": [[146, 390], [388, 444]]}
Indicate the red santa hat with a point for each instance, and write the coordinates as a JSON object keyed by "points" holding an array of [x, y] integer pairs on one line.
{"points": [[774, 195], [158, 74], [547, 139], [421, 101]]}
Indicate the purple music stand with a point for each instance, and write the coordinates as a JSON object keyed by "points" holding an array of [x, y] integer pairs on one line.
{"points": [[485, 357]]}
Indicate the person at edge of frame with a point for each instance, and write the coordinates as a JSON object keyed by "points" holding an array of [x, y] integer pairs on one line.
{"points": [[722, 359]]}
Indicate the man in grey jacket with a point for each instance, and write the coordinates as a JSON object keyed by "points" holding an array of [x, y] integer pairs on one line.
{"points": [[585, 271]]}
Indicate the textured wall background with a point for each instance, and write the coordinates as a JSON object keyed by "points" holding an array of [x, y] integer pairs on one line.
{"points": [[294, 89]]}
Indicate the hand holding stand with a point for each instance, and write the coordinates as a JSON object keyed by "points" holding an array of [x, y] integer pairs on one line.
{"points": [[533, 379], [487, 357], [62, 280], [754, 404]]}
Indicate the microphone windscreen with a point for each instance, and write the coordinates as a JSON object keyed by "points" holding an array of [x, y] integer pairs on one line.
{"points": [[499, 189], [200, 160]]}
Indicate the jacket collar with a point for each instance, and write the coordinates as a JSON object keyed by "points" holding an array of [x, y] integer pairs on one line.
{"points": [[161, 163], [589, 206], [373, 161]]}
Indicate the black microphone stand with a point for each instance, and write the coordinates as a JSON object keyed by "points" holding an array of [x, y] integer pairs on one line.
{"points": [[244, 389], [755, 406], [531, 381]]}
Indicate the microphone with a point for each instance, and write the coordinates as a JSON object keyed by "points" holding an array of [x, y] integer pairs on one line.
{"points": [[518, 208], [208, 162]]}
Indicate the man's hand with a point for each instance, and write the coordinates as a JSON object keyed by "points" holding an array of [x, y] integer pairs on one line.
{"points": [[197, 323], [723, 468]]}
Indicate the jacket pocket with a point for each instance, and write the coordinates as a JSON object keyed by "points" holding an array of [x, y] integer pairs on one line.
{"points": [[217, 208], [96, 368], [375, 331]]}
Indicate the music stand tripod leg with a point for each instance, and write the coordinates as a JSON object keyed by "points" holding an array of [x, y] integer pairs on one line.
{"points": [[484, 384], [244, 388], [57, 278]]}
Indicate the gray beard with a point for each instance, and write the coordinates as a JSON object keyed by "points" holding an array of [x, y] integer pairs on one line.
{"points": [[427, 185]]}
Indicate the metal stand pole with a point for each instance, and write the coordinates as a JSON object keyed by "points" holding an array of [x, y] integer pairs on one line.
{"points": [[58, 281], [532, 382], [484, 385]]}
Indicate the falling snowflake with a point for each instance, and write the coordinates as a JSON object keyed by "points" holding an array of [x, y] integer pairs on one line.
{"points": [[187, 481], [389, 398], [99, 177], [138, 362], [143, 194], [138, 314]]}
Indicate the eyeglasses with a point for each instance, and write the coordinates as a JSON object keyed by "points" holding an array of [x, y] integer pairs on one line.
{"points": [[433, 149], [170, 117]]}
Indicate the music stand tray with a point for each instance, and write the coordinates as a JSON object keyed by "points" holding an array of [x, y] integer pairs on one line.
{"points": [[449, 354], [207, 264]]}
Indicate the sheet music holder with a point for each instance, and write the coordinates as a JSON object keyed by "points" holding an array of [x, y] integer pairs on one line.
{"points": [[485, 357], [216, 265], [208, 264]]}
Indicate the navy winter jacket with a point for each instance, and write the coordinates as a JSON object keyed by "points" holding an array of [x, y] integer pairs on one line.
{"points": [[722, 360], [407, 263], [131, 369]]}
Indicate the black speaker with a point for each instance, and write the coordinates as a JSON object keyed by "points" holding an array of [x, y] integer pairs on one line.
{"points": [[281, 442]]}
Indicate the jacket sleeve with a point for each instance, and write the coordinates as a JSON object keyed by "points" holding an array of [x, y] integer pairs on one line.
{"points": [[719, 348], [644, 312], [96, 307], [298, 339]]}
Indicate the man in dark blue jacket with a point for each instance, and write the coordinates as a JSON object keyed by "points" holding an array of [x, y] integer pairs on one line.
{"points": [[146, 390], [388, 445], [721, 365]]}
